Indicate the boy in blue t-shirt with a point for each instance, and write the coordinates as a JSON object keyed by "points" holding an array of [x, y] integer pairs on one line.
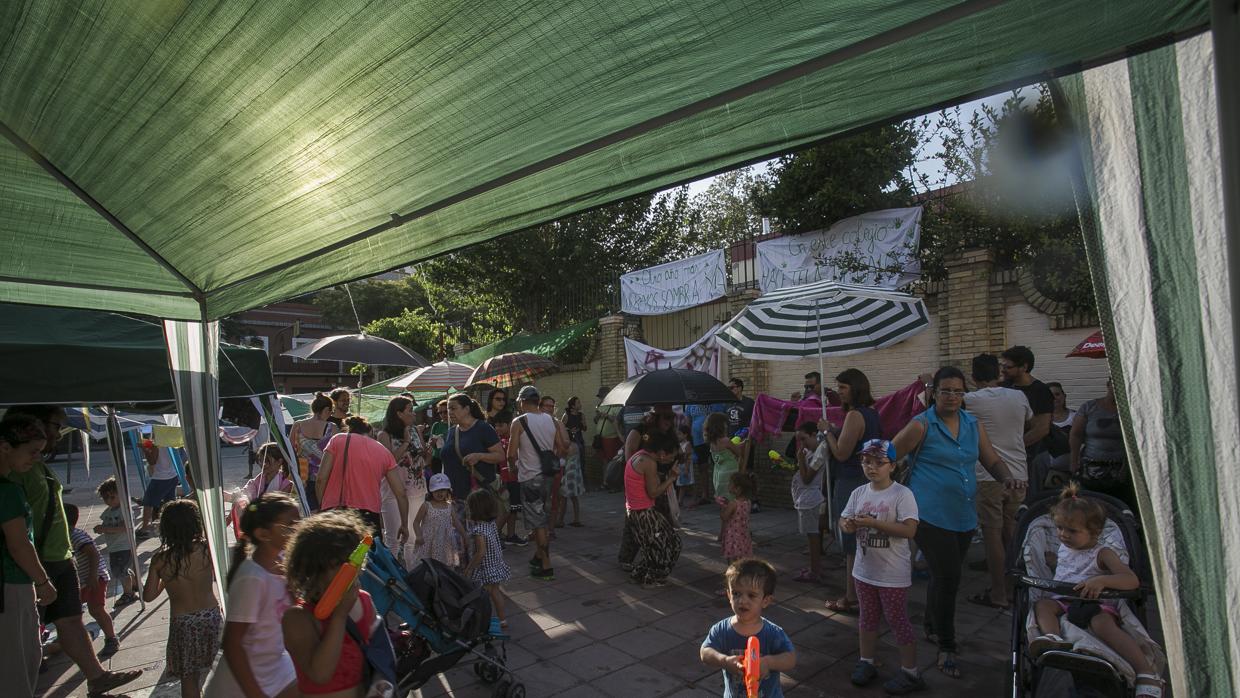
{"points": [[751, 588]]}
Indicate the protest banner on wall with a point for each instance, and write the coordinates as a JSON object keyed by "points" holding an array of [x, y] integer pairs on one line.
{"points": [[873, 243], [702, 355], [674, 286]]}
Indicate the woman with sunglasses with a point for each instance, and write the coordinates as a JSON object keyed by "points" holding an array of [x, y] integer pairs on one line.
{"points": [[945, 442], [497, 401]]}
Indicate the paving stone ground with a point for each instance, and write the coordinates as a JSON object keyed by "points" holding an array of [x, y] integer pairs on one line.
{"points": [[592, 633]]}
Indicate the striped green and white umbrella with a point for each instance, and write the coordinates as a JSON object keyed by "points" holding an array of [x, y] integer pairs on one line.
{"points": [[822, 319]]}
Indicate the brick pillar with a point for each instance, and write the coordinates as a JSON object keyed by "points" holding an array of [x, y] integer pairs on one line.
{"points": [[463, 348], [971, 317], [611, 350], [756, 374]]}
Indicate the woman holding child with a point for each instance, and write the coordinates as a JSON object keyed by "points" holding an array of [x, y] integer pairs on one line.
{"points": [[945, 442]]}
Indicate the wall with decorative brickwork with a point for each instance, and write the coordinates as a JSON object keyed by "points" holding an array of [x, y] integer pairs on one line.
{"points": [[1083, 379]]}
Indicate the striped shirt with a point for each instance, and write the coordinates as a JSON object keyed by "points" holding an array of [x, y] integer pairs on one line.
{"points": [[80, 540]]}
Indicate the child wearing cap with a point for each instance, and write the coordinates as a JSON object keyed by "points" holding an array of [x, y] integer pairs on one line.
{"points": [[434, 525], [883, 515]]}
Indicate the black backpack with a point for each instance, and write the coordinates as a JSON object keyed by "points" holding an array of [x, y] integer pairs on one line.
{"points": [[460, 607], [613, 473]]}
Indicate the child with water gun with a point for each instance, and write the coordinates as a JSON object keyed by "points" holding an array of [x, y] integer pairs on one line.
{"points": [[327, 658], [751, 588]]}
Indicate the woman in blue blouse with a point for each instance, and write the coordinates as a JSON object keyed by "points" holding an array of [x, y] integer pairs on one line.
{"points": [[945, 442]]}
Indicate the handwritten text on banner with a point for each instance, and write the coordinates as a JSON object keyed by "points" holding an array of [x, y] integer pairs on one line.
{"points": [[879, 242], [674, 286]]}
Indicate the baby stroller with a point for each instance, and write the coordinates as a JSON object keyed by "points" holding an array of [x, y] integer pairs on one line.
{"points": [[444, 618], [1090, 668]]}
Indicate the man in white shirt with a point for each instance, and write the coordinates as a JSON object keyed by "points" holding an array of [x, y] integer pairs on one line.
{"points": [[535, 486], [160, 488], [1005, 413]]}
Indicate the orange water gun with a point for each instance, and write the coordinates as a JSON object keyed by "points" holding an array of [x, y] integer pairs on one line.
{"points": [[343, 580], [753, 666]]}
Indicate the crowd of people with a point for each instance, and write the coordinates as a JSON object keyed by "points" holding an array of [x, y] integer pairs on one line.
{"points": [[455, 480]]}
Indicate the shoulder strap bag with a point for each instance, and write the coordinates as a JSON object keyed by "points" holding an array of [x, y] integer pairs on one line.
{"points": [[344, 463], [549, 463]]}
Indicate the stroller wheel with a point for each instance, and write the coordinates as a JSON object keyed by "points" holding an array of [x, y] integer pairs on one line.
{"points": [[508, 689], [487, 671]]}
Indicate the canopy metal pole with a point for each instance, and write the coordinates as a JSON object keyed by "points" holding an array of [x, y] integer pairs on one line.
{"points": [[116, 448]]}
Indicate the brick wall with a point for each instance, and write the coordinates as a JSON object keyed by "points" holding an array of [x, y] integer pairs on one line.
{"points": [[1083, 379]]}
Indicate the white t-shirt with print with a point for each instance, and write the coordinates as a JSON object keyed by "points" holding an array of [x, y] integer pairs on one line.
{"points": [[259, 598], [1003, 411], [882, 560]]}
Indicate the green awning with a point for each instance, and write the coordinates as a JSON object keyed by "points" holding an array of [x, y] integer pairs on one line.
{"points": [[82, 357], [546, 344], [191, 160]]}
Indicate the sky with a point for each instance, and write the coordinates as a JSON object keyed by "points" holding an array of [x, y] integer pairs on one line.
{"points": [[930, 166]]}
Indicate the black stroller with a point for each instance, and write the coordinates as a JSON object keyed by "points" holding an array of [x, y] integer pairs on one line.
{"points": [[444, 617], [1090, 668]]}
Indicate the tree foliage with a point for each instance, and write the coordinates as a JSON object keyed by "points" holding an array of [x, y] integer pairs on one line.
{"points": [[566, 271], [813, 188], [1005, 187]]}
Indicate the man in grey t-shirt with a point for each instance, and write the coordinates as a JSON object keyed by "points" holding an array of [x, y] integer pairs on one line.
{"points": [[1005, 413], [535, 487]]}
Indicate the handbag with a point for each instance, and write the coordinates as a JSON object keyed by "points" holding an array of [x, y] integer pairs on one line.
{"points": [[597, 443], [548, 462]]}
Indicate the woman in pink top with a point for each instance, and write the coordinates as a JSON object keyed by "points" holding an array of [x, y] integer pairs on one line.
{"points": [[353, 466], [655, 537]]}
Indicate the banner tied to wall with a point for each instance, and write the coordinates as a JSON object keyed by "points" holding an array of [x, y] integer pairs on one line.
{"points": [[702, 355], [674, 286], [873, 249]]}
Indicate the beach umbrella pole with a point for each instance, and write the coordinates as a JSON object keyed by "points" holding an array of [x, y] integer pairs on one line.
{"points": [[822, 395]]}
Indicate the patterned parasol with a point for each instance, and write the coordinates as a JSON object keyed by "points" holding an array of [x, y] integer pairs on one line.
{"points": [[509, 370]]}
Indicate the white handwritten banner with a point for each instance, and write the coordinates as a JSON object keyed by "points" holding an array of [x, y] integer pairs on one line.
{"points": [[881, 246], [674, 286], [702, 355]]}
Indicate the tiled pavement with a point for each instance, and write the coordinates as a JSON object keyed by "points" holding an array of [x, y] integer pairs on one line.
{"points": [[592, 633]]}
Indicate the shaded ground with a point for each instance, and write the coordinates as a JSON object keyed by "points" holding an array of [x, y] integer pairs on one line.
{"points": [[592, 633]]}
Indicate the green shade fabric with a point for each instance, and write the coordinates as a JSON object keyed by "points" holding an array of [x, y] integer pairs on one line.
{"points": [[546, 344], [191, 160], [81, 357], [1152, 210]]}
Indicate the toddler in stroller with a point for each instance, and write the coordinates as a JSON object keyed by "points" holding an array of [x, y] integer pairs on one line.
{"points": [[1070, 599]]}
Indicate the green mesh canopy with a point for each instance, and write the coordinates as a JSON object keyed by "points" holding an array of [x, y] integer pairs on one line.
{"points": [[192, 160]]}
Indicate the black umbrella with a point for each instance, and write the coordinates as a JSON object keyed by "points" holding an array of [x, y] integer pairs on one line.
{"points": [[358, 348], [670, 386]]}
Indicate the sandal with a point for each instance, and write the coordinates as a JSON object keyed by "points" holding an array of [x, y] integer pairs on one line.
{"points": [[1153, 686], [947, 664], [842, 606], [577, 524], [982, 598]]}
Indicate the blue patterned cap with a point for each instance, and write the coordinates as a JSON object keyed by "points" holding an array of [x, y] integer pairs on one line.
{"points": [[879, 447]]}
